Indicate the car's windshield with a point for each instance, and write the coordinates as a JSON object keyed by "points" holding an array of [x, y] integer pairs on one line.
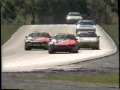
{"points": [[86, 23], [87, 35], [81, 35], [39, 35], [74, 14], [65, 37]]}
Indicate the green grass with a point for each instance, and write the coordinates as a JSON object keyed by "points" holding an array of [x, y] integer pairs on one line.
{"points": [[112, 78], [6, 87], [7, 31], [113, 32]]}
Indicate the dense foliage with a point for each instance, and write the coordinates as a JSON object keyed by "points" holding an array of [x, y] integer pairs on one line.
{"points": [[54, 11]]}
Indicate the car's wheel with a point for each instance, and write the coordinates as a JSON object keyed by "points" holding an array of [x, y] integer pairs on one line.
{"points": [[45, 48], [78, 48], [27, 48], [50, 51], [97, 47], [75, 50]]}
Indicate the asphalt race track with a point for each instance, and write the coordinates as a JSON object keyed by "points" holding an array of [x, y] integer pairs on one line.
{"points": [[16, 59]]}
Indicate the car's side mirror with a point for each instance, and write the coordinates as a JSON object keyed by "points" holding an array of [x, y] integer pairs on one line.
{"points": [[98, 36], [76, 39]]}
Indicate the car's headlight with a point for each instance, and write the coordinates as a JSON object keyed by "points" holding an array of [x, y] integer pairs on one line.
{"points": [[78, 26], [68, 17], [51, 43], [94, 27], [28, 40], [81, 18], [97, 39]]}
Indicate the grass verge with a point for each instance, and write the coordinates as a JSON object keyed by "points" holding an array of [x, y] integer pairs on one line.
{"points": [[7, 31], [113, 32], [111, 78]]}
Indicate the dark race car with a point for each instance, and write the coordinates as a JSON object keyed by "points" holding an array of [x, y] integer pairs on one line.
{"points": [[62, 42], [37, 40]]}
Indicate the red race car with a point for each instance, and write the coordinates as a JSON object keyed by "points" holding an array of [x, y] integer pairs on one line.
{"points": [[37, 40], [63, 42]]}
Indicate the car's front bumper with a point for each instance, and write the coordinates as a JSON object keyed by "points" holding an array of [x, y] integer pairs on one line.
{"points": [[63, 47], [36, 44], [87, 30], [88, 44]]}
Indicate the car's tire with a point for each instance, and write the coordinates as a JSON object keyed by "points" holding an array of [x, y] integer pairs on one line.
{"points": [[75, 51], [78, 48], [50, 51], [97, 47], [45, 48], [27, 48]]}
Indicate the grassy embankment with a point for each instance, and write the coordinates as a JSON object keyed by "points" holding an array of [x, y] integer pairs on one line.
{"points": [[7, 31], [111, 78], [112, 30]]}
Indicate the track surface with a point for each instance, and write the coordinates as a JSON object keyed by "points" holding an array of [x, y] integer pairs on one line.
{"points": [[16, 59]]}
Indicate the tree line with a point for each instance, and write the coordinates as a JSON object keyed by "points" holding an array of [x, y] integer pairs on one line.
{"points": [[55, 11]]}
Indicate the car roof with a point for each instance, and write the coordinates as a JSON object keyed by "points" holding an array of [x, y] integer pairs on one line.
{"points": [[73, 13], [38, 32], [64, 34], [86, 20], [35, 32]]}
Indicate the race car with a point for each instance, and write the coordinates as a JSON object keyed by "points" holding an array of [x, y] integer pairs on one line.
{"points": [[85, 25], [63, 42], [73, 17], [88, 40], [37, 40]]}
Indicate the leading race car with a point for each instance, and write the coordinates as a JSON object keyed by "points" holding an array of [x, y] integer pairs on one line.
{"points": [[37, 40], [73, 17], [88, 40], [63, 42], [85, 25]]}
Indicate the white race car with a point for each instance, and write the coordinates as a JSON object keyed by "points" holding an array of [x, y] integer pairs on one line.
{"points": [[88, 40], [37, 40], [73, 17], [85, 25]]}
